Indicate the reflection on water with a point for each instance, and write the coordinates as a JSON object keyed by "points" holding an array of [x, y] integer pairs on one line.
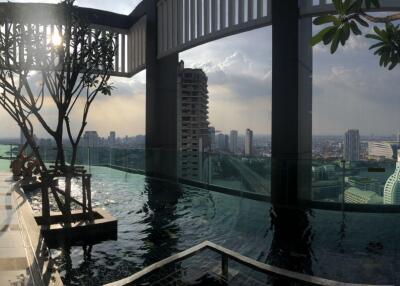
{"points": [[157, 219]]}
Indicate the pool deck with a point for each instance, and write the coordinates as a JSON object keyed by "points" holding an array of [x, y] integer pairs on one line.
{"points": [[24, 257]]}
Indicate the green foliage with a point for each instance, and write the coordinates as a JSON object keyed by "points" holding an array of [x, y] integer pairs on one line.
{"points": [[387, 46], [348, 20]]}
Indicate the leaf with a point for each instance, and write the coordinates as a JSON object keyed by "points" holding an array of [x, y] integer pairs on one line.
{"points": [[329, 36], [325, 19], [361, 21], [337, 4], [345, 34], [335, 42], [394, 63], [381, 61], [354, 28], [380, 32], [376, 45], [318, 37], [374, 37], [346, 6], [376, 3], [356, 6]]}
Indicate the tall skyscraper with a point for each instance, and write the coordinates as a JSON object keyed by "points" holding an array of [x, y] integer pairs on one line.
{"points": [[226, 142], [193, 129], [351, 148], [221, 142], [112, 138], [391, 192], [248, 143], [233, 142]]}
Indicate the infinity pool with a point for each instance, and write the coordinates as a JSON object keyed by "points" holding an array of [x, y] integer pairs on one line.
{"points": [[158, 219]]}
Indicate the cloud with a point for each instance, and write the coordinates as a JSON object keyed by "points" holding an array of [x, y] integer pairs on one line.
{"points": [[358, 97], [239, 92], [354, 44]]}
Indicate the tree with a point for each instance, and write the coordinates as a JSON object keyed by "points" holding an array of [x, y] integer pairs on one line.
{"points": [[72, 61], [350, 17]]}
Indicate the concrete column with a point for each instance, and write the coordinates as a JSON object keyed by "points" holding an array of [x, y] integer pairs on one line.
{"points": [[161, 104], [291, 104]]}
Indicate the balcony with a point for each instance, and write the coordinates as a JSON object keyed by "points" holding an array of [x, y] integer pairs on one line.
{"points": [[220, 215]]}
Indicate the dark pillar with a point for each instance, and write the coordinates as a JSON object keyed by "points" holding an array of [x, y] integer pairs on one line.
{"points": [[161, 104], [291, 109]]}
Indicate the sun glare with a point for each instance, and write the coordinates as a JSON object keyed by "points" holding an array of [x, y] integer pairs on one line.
{"points": [[56, 39]]}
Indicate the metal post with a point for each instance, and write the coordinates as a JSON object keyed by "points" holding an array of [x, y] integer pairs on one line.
{"points": [[343, 182], [110, 159], [89, 159], [84, 192], [224, 267], [89, 194]]}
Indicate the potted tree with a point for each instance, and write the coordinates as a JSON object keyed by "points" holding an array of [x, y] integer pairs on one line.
{"points": [[65, 66]]}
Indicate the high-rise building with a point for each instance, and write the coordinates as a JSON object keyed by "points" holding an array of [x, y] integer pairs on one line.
{"points": [[211, 133], [382, 150], [91, 139], [193, 129], [248, 143], [112, 138], [351, 148], [398, 138], [226, 142], [391, 192], [222, 142], [233, 142]]}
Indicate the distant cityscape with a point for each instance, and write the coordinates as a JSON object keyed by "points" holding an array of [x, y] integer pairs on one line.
{"points": [[347, 168]]}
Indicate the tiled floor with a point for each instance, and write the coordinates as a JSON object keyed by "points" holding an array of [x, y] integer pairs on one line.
{"points": [[14, 268]]}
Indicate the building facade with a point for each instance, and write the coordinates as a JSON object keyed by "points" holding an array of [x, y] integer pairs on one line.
{"points": [[211, 133], [233, 142], [248, 143], [351, 147], [91, 139], [382, 150], [193, 125], [391, 192], [112, 138], [356, 196]]}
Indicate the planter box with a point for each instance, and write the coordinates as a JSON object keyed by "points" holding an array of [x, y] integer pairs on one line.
{"points": [[82, 230]]}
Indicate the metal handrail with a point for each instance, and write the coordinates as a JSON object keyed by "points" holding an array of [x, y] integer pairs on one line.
{"points": [[225, 254]]}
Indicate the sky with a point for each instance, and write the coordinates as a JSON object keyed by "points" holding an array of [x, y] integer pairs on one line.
{"points": [[350, 90]]}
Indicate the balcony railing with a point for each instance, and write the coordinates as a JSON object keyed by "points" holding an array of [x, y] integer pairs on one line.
{"points": [[326, 183], [284, 276]]}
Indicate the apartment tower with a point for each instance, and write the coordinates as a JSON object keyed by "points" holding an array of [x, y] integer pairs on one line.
{"points": [[193, 125]]}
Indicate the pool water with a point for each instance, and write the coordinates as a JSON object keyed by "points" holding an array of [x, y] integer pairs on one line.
{"points": [[157, 219], [4, 165]]}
